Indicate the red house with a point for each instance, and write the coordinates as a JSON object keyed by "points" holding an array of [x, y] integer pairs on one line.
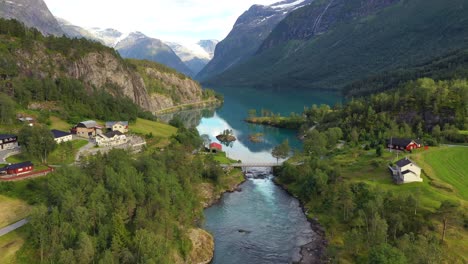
{"points": [[215, 147], [403, 144], [18, 168]]}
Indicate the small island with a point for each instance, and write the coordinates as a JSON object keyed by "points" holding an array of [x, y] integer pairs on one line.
{"points": [[256, 138], [226, 136]]}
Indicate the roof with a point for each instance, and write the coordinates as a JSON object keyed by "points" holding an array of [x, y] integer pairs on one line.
{"points": [[5, 136], [216, 145], [113, 134], [88, 124], [110, 124], [17, 166], [402, 142], [403, 162], [59, 134]]}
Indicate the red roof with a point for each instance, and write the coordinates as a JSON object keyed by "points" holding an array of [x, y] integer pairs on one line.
{"points": [[216, 146]]}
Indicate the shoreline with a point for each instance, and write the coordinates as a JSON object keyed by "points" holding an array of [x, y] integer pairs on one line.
{"points": [[314, 251], [194, 105]]}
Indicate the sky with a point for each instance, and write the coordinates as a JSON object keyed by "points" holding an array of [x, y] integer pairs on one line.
{"points": [[182, 21]]}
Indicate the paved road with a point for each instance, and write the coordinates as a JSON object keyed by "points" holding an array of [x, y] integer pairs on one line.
{"points": [[6, 153], [13, 227]]}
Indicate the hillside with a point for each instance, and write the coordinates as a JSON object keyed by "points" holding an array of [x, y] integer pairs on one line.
{"points": [[330, 44], [36, 68]]}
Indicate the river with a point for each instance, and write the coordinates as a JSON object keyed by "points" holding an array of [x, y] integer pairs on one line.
{"points": [[262, 223]]}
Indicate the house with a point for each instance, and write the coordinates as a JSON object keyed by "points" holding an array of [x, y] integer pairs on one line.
{"points": [[61, 136], [8, 141], [216, 147], [18, 168], [406, 171], [109, 139], [403, 144], [121, 126], [87, 129]]}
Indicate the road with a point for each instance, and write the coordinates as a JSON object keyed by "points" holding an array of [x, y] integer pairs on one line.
{"points": [[4, 154], [13, 227]]}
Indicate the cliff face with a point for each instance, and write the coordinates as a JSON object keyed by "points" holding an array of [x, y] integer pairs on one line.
{"points": [[33, 13], [103, 69]]}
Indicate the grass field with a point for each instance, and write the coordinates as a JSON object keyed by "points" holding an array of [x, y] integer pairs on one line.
{"points": [[450, 165], [9, 245], [12, 210], [64, 154], [59, 124], [145, 127]]}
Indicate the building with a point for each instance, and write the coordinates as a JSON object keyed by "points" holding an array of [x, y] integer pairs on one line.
{"points": [[18, 168], [87, 129], [8, 141], [27, 120], [109, 139], [61, 136], [406, 171], [403, 144], [121, 126], [216, 147]]}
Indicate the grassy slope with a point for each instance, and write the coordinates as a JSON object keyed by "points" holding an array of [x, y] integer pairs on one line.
{"points": [[62, 155], [9, 245], [12, 210], [59, 124], [408, 33], [448, 165], [145, 127], [363, 166]]}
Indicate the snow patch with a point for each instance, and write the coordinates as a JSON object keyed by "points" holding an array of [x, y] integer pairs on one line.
{"points": [[287, 5]]}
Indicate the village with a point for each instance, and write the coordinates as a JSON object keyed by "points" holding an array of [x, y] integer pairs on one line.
{"points": [[94, 137]]}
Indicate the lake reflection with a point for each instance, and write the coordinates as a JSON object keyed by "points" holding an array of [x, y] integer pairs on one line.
{"points": [[231, 115]]}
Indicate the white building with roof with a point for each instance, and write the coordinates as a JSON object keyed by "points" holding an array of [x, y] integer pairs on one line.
{"points": [[405, 171]]}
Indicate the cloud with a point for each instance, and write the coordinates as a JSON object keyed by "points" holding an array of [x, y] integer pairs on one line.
{"points": [[173, 20]]}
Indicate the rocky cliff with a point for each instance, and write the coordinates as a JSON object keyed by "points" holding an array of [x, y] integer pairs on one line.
{"points": [[33, 13], [103, 69]]}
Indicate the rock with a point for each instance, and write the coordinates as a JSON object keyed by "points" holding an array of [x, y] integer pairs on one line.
{"points": [[202, 247]]}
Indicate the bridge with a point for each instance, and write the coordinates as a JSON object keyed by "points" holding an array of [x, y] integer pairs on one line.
{"points": [[252, 165]]}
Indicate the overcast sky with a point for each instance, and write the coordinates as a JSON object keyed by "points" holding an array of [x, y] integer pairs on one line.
{"points": [[170, 20]]}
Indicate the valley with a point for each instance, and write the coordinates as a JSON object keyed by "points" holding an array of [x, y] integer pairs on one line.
{"points": [[129, 134]]}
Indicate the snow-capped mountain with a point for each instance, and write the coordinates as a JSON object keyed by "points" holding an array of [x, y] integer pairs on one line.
{"points": [[109, 36], [248, 33], [194, 55], [33, 13], [137, 45]]}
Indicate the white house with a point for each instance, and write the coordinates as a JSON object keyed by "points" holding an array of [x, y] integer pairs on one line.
{"points": [[61, 136], [109, 139], [8, 142], [406, 171], [121, 126]]}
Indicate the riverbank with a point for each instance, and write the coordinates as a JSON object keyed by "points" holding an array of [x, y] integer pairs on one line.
{"points": [[313, 252], [211, 193]]}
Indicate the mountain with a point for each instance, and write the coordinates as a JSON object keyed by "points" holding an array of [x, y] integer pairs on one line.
{"points": [[139, 46], [109, 36], [209, 45], [96, 67], [73, 31], [33, 13], [248, 33], [195, 56], [331, 44]]}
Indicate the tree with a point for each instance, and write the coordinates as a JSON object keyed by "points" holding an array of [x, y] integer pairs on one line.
{"points": [[252, 113], [7, 109], [386, 254], [378, 151], [281, 151], [448, 211], [38, 142]]}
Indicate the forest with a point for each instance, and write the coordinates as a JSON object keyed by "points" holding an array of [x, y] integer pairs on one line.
{"points": [[368, 219], [118, 207]]}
